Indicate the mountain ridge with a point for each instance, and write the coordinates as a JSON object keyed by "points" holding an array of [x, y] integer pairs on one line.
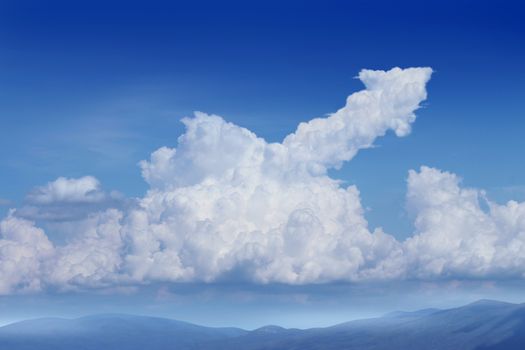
{"points": [[482, 325]]}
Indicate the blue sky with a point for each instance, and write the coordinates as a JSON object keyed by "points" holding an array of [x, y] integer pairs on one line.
{"points": [[93, 88]]}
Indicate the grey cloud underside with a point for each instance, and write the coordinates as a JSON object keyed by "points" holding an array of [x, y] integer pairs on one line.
{"points": [[227, 203]]}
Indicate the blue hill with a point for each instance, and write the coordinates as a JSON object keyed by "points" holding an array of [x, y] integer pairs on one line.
{"points": [[483, 325]]}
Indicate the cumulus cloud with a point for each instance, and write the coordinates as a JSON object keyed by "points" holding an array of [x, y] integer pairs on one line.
{"points": [[93, 257], [63, 190], [24, 249], [66, 199], [226, 200], [226, 204], [387, 103], [212, 148], [459, 232]]}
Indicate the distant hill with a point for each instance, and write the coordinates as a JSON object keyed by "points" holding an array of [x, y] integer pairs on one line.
{"points": [[483, 325], [109, 332]]}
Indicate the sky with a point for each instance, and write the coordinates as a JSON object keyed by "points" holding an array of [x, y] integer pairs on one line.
{"points": [[398, 197]]}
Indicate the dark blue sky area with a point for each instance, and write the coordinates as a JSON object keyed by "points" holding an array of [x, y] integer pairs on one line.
{"points": [[92, 87]]}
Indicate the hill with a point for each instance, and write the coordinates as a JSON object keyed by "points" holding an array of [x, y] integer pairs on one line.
{"points": [[483, 325]]}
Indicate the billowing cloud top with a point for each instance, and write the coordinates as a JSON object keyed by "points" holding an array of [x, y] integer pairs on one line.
{"points": [[225, 204]]}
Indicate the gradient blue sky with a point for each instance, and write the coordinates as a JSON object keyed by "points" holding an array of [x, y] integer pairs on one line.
{"points": [[92, 88]]}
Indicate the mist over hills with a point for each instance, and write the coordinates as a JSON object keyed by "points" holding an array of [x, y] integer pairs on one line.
{"points": [[483, 325]]}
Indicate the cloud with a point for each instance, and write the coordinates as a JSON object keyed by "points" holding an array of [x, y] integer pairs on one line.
{"points": [[4, 202], [63, 190], [67, 199], [93, 257], [456, 236], [226, 200], [212, 148], [388, 103], [24, 249], [225, 204]]}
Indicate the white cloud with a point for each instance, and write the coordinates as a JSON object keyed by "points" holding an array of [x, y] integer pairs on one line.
{"points": [[226, 200], [23, 250], [67, 199], [93, 258], [213, 148], [387, 103], [455, 236], [226, 204], [64, 190]]}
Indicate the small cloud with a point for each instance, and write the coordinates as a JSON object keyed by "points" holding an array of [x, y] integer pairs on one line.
{"points": [[67, 199], [68, 190], [4, 202]]}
